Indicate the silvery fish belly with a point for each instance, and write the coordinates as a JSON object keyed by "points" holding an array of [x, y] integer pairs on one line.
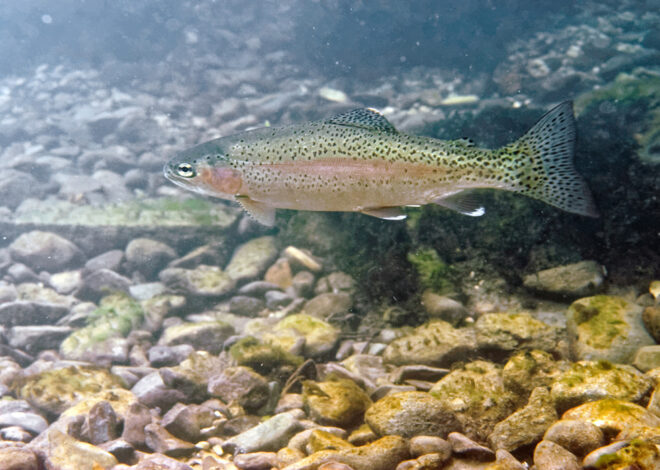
{"points": [[358, 161]]}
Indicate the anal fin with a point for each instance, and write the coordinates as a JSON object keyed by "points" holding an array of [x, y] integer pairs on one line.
{"points": [[262, 213], [386, 213], [464, 202]]}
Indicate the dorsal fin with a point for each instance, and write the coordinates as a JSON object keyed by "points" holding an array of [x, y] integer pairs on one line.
{"points": [[366, 118], [465, 141]]}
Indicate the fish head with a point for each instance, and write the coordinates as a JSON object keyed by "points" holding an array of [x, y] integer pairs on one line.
{"points": [[205, 169]]}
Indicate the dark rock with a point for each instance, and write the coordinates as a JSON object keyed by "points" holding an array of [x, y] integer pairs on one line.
{"points": [[16, 186], [148, 256], [160, 440], [463, 446], [239, 424], [101, 282], [45, 251], [417, 372], [136, 418], [121, 449], [151, 391], [33, 339], [276, 299], [246, 306], [101, 424], [109, 260], [21, 273], [240, 384], [21, 312], [23, 359], [160, 356], [187, 421], [302, 284]]}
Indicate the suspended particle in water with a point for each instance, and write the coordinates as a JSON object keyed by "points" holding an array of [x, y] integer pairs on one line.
{"points": [[46, 19]]}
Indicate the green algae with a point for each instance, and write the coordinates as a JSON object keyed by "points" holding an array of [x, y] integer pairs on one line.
{"points": [[117, 315], [640, 87], [56, 390], [140, 212], [432, 271], [638, 454], [262, 357], [601, 319]]}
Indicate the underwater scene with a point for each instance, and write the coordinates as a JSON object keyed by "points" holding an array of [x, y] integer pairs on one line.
{"points": [[330, 235]]}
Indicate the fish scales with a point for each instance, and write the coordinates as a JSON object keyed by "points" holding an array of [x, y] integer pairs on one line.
{"points": [[359, 162]]}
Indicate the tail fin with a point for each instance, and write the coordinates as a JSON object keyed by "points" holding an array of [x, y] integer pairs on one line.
{"points": [[549, 174]]}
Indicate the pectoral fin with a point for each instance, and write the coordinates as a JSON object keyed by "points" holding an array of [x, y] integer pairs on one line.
{"points": [[262, 213], [464, 202], [387, 213]]}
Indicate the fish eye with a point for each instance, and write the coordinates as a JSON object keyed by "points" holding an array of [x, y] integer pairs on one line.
{"points": [[185, 170]]}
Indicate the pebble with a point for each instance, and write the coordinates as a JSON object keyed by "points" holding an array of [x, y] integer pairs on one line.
{"points": [[570, 281], [270, 435], [551, 456], [18, 458], [409, 414], [158, 439], [579, 437], [463, 446]]}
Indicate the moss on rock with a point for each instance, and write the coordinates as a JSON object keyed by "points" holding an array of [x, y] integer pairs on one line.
{"points": [[117, 315], [337, 402], [54, 391]]}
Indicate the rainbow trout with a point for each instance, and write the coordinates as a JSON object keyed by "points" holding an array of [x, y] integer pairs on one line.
{"points": [[358, 161]]}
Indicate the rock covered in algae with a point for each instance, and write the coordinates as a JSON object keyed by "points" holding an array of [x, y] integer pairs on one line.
{"points": [[409, 414], [594, 380], [572, 280], [180, 223], [335, 402], [606, 327], [383, 454], [613, 416], [512, 331], [477, 395], [207, 336], [262, 357], [527, 425], [56, 390], [436, 343], [635, 454], [67, 453], [526, 370], [115, 317], [252, 258], [319, 336], [201, 282]]}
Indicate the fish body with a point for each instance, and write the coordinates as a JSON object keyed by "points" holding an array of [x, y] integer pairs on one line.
{"points": [[358, 162]]}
